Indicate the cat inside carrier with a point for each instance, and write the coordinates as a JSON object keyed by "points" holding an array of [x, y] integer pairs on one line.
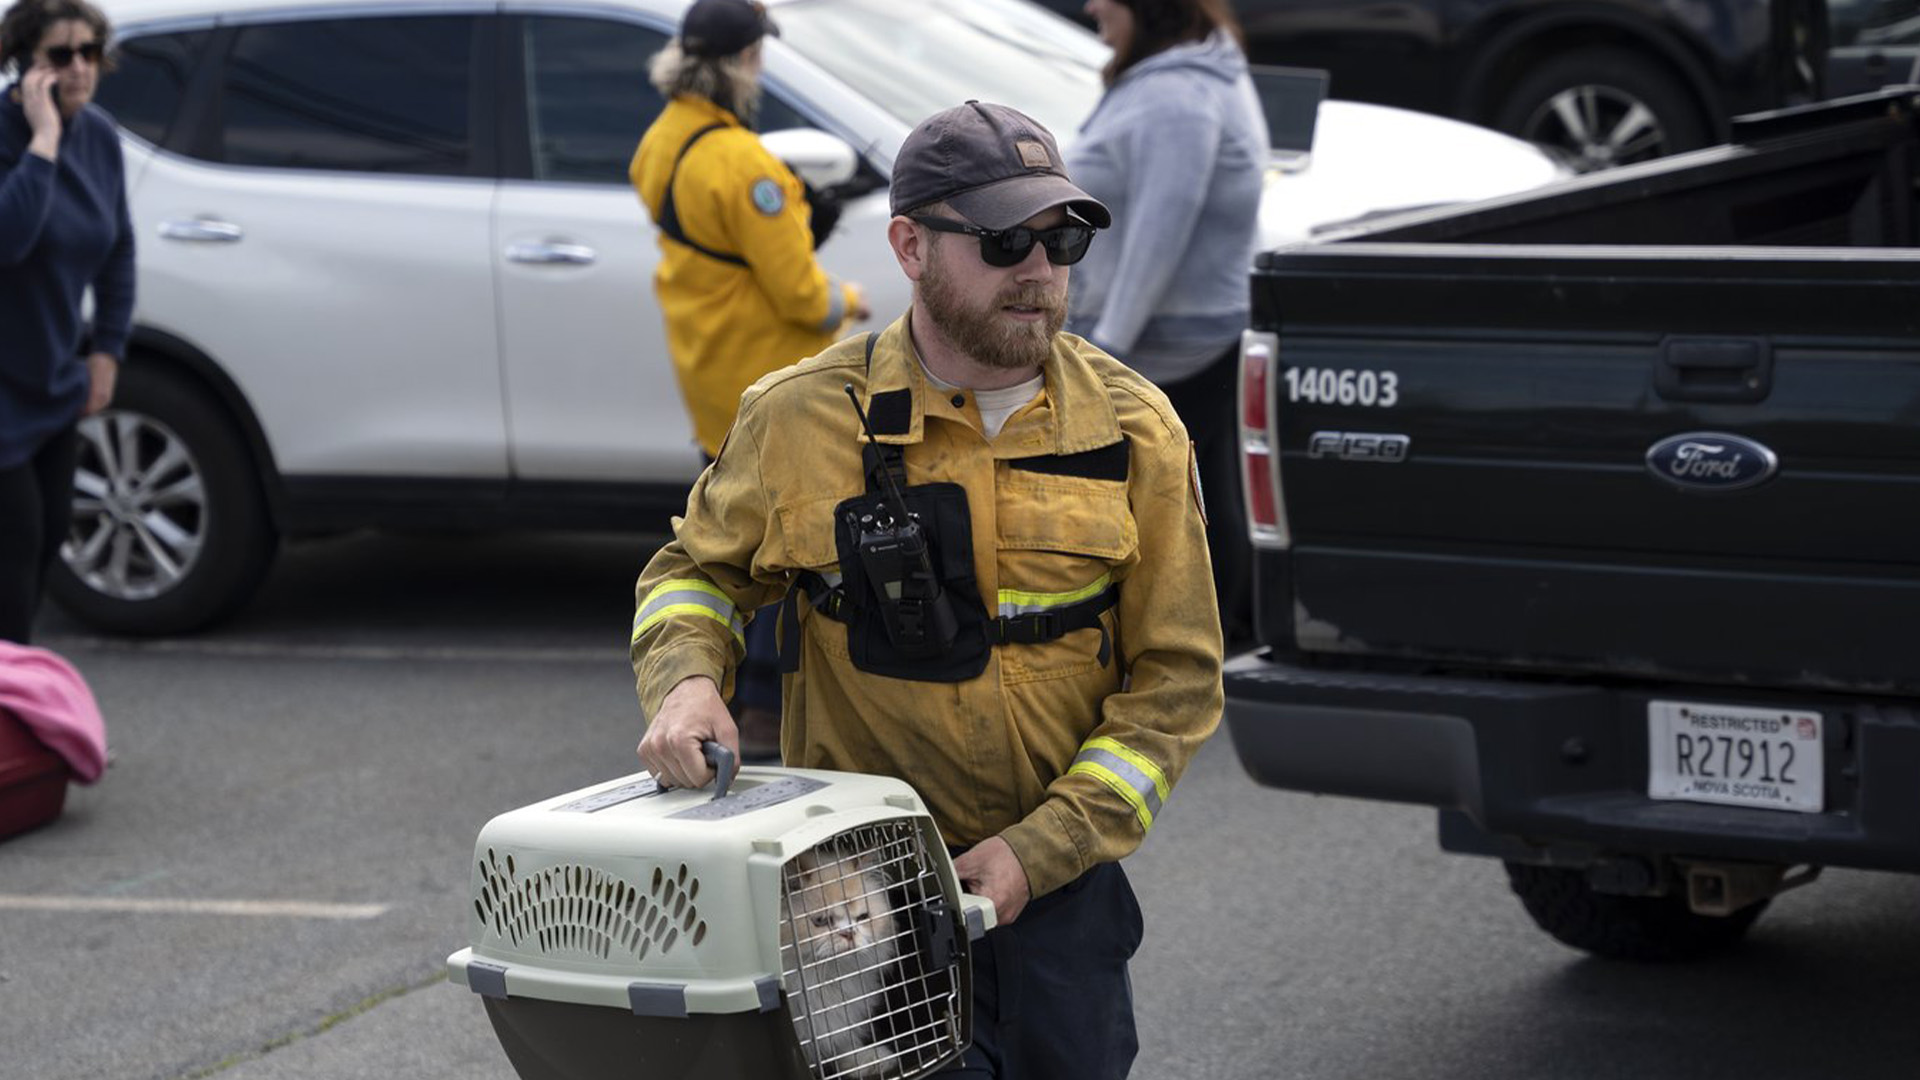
{"points": [[787, 923]]}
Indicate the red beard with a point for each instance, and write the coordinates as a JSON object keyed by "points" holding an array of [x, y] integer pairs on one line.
{"points": [[988, 335]]}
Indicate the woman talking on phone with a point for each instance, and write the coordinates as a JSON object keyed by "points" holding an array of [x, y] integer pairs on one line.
{"points": [[63, 228]]}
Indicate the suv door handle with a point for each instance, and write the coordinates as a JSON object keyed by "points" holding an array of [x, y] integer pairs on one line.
{"points": [[205, 230], [553, 253]]}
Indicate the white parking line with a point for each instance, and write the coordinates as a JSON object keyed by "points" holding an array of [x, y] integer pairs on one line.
{"points": [[614, 652], [285, 909]]}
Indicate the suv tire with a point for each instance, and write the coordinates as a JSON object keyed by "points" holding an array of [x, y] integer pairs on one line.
{"points": [[1646, 928], [170, 529], [1600, 89]]}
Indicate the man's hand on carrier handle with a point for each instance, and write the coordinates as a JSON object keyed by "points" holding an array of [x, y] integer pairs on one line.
{"points": [[991, 869], [691, 713]]}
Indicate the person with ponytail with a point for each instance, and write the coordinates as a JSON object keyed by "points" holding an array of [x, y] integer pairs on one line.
{"points": [[1177, 148]]}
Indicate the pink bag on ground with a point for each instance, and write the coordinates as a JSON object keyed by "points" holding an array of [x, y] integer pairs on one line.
{"points": [[44, 692], [50, 732]]}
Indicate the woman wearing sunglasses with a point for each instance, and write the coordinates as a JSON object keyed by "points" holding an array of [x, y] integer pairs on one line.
{"points": [[1177, 148], [63, 228]]}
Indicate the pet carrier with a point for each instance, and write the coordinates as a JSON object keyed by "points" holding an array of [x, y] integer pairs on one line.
{"points": [[789, 923]]}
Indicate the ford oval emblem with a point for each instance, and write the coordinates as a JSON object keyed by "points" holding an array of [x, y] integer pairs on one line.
{"points": [[1711, 461]]}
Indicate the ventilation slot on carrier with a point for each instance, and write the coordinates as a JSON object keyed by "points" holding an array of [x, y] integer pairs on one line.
{"points": [[578, 910]]}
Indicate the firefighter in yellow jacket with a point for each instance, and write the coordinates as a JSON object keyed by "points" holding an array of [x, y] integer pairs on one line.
{"points": [[737, 281], [993, 556]]}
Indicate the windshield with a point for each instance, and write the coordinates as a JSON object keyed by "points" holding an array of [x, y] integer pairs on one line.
{"points": [[949, 51]]}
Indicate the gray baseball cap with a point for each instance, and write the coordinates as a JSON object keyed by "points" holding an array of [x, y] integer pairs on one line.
{"points": [[995, 166]]}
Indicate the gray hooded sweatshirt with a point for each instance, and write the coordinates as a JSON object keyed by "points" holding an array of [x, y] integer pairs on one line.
{"points": [[1177, 149]]}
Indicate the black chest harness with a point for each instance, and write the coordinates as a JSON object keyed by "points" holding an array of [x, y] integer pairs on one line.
{"points": [[669, 221], [824, 208], [907, 591]]}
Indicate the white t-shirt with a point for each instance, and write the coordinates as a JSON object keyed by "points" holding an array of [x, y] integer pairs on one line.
{"points": [[995, 405]]}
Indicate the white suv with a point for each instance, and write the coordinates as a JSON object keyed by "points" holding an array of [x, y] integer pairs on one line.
{"points": [[391, 272]]}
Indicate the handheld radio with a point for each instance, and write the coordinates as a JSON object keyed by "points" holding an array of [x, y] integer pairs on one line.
{"points": [[895, 559]]}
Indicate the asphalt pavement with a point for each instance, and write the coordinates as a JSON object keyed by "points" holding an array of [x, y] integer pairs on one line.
{"points": [[266, 883]]}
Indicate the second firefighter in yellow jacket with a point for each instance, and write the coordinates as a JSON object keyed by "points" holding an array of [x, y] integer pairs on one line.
{"points": [[738, 284]]}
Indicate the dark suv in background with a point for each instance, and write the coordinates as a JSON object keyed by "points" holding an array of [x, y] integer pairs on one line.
{"points": [[1602, 82]]}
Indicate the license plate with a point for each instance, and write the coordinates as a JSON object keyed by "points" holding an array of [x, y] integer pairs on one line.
{"points": [[1736, 755]]}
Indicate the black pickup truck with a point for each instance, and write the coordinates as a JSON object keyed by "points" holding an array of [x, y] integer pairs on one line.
{"points": [[1592, 518]]}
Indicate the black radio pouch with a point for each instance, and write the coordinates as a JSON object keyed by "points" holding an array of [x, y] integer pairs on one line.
{"points": [[940, 638], [907, 591]]}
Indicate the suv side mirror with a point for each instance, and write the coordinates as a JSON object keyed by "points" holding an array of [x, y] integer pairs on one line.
{"points": [[824, 161]]}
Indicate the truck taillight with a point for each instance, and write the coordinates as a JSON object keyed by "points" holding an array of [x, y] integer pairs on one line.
{"points": [[1259, 471], [1261, 511], [1256, 362]]}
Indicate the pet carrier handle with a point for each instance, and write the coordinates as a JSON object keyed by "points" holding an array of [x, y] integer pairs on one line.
{"points": [[977, 912], [725, 766]]}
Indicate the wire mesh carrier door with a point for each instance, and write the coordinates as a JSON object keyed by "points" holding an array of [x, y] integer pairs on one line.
{"points": [[868, 955], [800, 923]]}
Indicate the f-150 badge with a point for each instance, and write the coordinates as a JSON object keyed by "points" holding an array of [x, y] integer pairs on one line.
{"points": [[1711, 461], [1358, 446]]}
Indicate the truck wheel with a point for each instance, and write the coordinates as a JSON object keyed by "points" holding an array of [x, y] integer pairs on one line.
{"points": [[170, 529], [1651, 928], [1600, 107]]}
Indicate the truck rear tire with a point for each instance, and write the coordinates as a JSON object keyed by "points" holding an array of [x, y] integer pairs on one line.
{"points": [[1643, 928]]}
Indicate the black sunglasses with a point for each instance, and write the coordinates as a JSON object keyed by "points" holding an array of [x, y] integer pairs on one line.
{"points": [[62, 55], [1065, 244]]}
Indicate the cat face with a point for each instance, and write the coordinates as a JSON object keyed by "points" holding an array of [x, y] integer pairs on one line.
{"points": [[839, 941], [834, 906]]}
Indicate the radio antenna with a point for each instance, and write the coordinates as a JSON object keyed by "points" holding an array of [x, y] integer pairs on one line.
{"points": [[893, 489]]}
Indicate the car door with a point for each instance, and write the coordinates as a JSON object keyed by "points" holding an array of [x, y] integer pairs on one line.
{"points": [[1874, 43], [323, 236], [591, 394]]}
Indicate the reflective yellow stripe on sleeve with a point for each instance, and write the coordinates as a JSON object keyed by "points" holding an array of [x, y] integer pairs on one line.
{"points": [[836, 305], [1131, 775], [688, 596], [1015, 602]]}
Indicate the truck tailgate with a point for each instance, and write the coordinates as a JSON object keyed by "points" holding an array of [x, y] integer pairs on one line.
{"points": [[1685, 462]]}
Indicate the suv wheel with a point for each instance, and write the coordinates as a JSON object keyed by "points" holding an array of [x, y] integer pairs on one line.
{"points": [[1601, 107], [169, 530], [1623, 927]]}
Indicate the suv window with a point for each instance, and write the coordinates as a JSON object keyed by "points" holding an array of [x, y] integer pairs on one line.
{"points": [[588, 98], [1875, 23], [387, 95], [144, 92], [777, 115]]}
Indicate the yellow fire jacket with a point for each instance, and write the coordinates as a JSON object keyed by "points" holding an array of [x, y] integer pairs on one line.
{"points": [[1068, 759], [728, 325]]}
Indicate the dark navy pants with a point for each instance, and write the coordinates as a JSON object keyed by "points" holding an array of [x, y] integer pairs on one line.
{"points": [[1207, 404], [1051, 995], [757, 684], [36, 506]]}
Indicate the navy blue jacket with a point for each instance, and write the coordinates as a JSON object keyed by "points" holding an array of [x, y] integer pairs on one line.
{"points": [[63, 226]]}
